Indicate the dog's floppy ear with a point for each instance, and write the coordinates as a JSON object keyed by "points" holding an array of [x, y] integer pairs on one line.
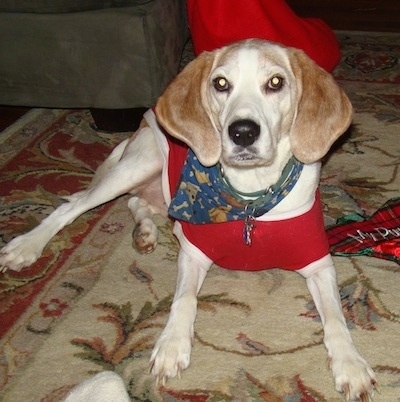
{"points": [[324, 111], [183, 111]]}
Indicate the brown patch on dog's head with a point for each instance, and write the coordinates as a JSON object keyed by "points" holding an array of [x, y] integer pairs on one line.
{"points": [[324, 111], [183, 110]]}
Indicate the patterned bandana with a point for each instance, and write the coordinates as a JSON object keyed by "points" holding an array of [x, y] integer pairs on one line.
{"points": [[205, 196]]}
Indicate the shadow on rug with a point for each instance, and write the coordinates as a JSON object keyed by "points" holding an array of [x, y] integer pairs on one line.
{"points": [[92, 304]]}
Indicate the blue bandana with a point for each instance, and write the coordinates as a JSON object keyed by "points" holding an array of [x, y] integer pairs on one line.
{"points": [[205, 196]]}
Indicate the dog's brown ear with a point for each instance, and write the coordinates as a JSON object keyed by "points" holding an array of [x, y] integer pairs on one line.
{"points": [[324, 111], [183, 111]]}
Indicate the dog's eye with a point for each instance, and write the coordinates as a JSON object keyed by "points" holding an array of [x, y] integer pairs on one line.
{"points": [[275, 83], [221, 84]]}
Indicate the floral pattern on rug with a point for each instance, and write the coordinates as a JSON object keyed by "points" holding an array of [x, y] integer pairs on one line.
{"points": [[257, 335], [59, 155]]}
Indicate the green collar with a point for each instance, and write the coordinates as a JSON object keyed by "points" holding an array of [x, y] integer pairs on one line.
{"points": [[289, 176]]}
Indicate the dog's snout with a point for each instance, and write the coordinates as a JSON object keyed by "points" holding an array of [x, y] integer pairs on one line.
{"points": [[244, 132]]}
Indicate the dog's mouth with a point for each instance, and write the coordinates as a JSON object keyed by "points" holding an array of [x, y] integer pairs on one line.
{"points": [[245, 157]]}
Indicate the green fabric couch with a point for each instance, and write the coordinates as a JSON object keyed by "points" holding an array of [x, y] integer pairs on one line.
{"points": [[109, 54]]}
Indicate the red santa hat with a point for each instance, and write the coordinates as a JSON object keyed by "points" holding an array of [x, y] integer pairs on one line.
{"points": [[215, 23]]}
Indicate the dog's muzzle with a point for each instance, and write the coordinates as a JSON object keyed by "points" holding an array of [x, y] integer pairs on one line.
{"points": [[244, 132]]}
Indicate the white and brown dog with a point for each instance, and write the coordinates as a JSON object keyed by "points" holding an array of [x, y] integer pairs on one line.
{"points": [[257, 118]]}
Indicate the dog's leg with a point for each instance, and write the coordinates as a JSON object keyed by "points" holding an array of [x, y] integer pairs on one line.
{"points": [[171, 353], [145, 234], [120, 175], [352, 374]]}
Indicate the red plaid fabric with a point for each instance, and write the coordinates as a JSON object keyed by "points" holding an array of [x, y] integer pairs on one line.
{"points": [[378, 236]]}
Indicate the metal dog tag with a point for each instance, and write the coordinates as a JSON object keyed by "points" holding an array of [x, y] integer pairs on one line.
{"points": [[249, 225]]}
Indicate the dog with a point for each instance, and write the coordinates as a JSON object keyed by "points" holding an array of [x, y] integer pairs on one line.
{"points": [[249, 122]]}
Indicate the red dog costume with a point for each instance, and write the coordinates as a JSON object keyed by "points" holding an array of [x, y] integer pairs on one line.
{"points": [[288, 243]]}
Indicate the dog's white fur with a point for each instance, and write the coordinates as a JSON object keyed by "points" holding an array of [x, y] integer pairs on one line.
{"points": [[300, 111]]}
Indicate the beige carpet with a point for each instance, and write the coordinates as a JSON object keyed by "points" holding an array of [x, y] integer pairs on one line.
{"points": [[258, 337]]}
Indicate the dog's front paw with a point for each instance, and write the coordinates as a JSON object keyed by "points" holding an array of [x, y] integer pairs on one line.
{"points": [[19, 253], [354, 377], [171, 355], [145, 236]]}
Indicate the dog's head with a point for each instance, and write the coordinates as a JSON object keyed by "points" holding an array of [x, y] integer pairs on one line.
{"points": [[237, 103]]}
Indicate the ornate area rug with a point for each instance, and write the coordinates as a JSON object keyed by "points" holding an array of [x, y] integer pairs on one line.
{"points": [[92, 304]]}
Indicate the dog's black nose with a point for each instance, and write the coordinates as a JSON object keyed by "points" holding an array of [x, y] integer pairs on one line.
{"points": [[244, 132]]}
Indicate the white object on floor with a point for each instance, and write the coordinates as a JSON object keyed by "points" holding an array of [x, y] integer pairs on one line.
{"points": [[103, 387]]}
